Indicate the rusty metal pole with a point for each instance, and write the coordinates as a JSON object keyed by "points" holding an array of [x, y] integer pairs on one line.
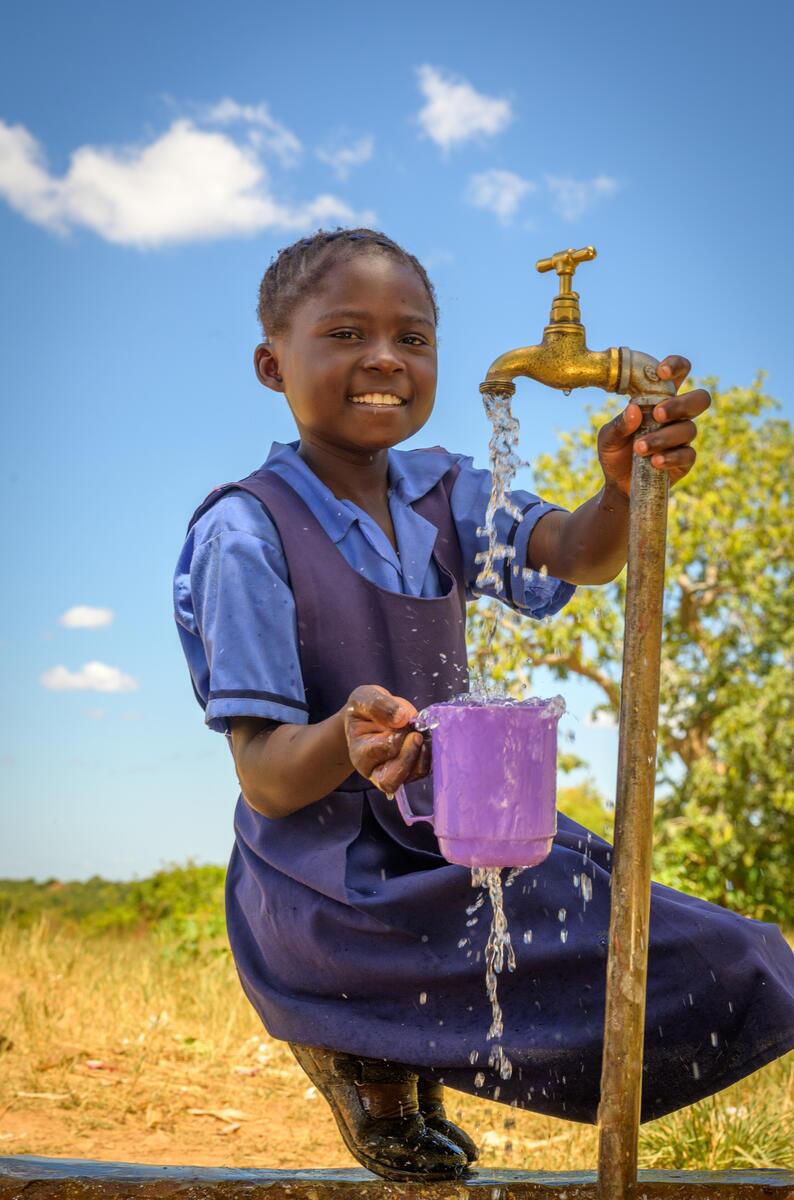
{"points": [[627, 965]]}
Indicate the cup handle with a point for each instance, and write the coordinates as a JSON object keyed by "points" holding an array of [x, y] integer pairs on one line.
{"points": [[405, 809]]}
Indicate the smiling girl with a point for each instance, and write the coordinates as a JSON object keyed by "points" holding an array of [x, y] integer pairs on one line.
{"points": [[321, 603]]}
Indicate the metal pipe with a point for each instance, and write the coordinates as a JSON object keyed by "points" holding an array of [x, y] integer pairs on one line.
{"points": [[562, 360], [627, 965]]}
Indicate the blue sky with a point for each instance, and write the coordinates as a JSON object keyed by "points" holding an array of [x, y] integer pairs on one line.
{"points": [[154, 157]]}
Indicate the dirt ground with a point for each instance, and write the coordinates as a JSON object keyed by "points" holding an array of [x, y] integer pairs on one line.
{"points": [[112, 1049], [264, 1115]]}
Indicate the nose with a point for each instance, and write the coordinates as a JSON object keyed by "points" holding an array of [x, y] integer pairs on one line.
{"points": [[382, 356]]}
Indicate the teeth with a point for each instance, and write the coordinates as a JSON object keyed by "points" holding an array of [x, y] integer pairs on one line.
{"points": [[380, 398]]}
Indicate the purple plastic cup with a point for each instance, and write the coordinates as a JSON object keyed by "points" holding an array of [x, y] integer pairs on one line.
{"points": [[494, 781]]}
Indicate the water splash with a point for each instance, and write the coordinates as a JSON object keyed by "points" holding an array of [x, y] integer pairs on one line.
{"points": [[492, 696], [498, 950]]}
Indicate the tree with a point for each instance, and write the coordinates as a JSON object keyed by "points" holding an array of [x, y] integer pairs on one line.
{"points": [[726, 802], [583, 802]]}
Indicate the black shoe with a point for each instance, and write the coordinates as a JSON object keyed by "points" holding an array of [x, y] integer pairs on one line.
{"points": [[431, 1105], [398, 1145]]}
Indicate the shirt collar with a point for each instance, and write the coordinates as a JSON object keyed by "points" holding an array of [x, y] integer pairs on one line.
{"points": [[338, 515], [412, 473]]}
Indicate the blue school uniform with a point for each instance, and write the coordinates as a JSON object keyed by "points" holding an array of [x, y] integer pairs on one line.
{"points": [[349, 929]]}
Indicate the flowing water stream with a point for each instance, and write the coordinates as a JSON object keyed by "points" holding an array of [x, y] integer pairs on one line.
{"points": [[504, 461]]}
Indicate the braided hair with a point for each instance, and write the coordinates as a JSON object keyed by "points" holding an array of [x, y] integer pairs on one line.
{"points": [[298, 268]]}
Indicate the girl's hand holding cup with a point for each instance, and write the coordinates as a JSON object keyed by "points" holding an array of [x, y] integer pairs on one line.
{"points": [[382, 746]]}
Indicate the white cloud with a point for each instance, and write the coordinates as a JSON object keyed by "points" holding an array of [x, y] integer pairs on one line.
{"points": [[84, 616], [92, 677], [189, 184], [500, 192], [455, 111], [341, 159], [571, 198], [270, 133]]}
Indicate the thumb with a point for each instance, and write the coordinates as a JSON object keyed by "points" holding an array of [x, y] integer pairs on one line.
{"points": [[621, 429]]}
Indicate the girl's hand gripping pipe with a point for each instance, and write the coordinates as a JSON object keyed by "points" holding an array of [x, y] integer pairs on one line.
{"points": [[670, 446]]}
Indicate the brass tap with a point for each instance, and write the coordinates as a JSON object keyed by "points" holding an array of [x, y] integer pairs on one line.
{"points": [[562, 360]]}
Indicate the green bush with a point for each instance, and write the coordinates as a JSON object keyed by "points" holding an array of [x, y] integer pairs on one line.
{"points": [[181, 905]]}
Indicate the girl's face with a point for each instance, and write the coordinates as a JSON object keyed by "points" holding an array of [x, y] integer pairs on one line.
{"points": [[358, 363]]}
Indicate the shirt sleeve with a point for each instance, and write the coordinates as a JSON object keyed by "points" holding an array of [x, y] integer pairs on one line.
{"points": [[525, 590], [236, 617]]}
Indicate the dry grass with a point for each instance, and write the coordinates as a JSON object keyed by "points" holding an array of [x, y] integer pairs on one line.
{"points": [[119, 1052]]}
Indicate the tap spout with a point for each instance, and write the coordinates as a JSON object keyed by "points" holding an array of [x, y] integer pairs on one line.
{"points": [[562, 360]]}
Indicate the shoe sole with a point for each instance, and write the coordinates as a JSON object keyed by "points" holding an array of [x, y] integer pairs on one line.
{"points": [[391, 1173]]}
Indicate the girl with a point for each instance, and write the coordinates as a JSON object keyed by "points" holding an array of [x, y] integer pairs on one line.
{"points": [[321, 603]]}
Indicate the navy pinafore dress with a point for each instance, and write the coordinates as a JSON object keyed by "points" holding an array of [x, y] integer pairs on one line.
{"points": [[349, 930]]}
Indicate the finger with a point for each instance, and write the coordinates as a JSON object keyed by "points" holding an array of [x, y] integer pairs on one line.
{"points": [[680, 433], [406, 712], [677, 462], [674, 367], [620, 429], [372, 750], [395, 772], [376, 704], [423, 762], [688, 404]]}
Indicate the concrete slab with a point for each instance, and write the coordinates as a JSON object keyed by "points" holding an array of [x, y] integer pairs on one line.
{"points": [[84, 1179]]}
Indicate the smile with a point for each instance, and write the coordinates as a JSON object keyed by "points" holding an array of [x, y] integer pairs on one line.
{"points": [[378, 400]]}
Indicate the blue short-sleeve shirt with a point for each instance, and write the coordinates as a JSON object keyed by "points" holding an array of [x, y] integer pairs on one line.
{"points": [[234, 608]]}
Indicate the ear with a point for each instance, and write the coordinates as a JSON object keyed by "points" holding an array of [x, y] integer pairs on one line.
{"points": [[266, 367]]}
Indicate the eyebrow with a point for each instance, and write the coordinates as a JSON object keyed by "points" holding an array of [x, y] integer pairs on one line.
{"points": [[358, 315]]}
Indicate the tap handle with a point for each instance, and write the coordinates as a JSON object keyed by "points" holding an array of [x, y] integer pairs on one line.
{"points": [[565, 262]]}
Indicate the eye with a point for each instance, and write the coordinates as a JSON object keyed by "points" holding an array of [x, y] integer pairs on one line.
{"points": [[342, 333], [418, 339]]}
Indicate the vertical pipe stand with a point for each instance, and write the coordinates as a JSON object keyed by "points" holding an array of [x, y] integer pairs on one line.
{"points": [[627, 965]]}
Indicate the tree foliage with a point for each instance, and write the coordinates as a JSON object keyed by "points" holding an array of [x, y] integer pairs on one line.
{"points": [[726, 801]]}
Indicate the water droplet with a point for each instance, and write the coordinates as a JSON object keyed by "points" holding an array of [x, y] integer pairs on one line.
{"points": [[566, 391], [561, 915], [423, 997], [479, 1079], [715, 1039], [528, 936], [695, 1070], [563, 935]]}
